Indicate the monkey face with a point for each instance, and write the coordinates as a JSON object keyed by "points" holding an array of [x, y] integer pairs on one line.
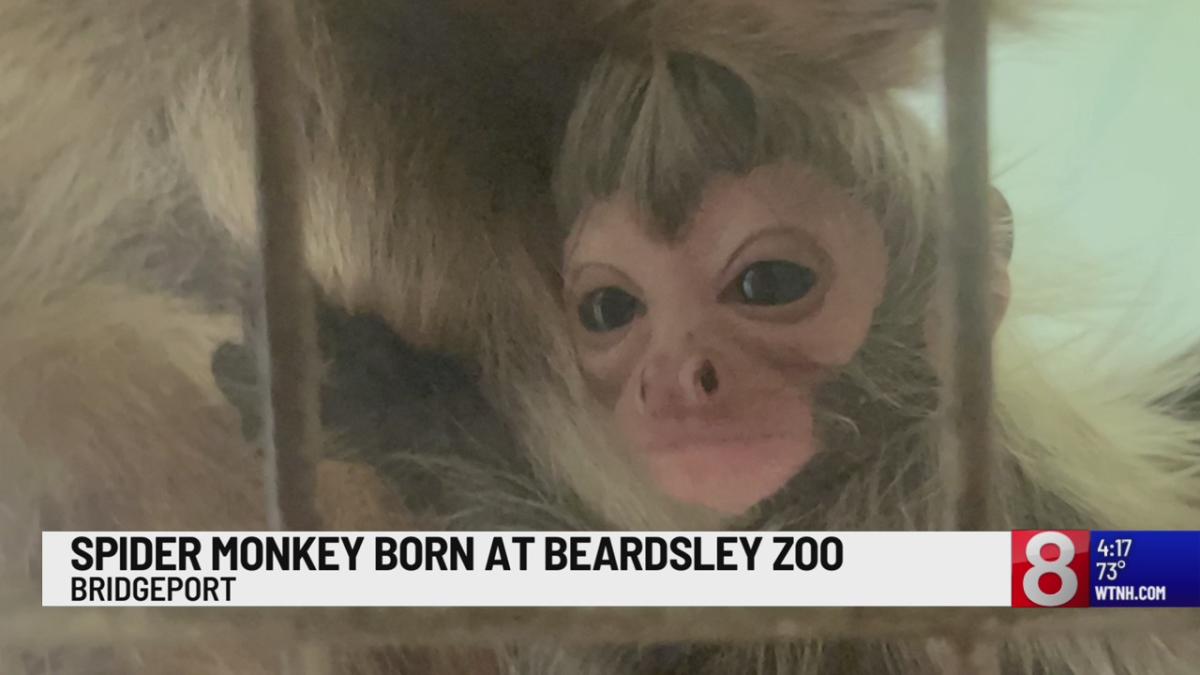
{"points": [[709, 348]]}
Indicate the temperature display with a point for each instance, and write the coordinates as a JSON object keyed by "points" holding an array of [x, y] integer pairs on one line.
{"points": [[1109, 571]]}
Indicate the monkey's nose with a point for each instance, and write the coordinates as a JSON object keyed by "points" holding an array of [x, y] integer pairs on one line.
{"points": [[698, 380], [672, 390], [704, 379]]}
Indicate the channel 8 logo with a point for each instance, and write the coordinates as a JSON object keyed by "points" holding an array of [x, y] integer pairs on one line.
{"points": [[1050, 568]]}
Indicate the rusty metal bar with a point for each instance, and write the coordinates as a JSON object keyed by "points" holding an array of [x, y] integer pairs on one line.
{"points": [[288, 350], [346, 627]]}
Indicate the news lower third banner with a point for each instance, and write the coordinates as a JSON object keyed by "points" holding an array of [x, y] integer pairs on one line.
{"points": [[1044, 568]]}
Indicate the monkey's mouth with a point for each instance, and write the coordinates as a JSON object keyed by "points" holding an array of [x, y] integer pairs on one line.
{"points": [[726, 458], [675, 443], [725, 471], [730, 430]]}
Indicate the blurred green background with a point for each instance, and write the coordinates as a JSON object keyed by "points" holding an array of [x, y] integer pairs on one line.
{"points": [[1096, 143]]}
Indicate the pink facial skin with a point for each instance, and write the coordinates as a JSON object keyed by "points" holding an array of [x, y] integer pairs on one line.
{"points": [[712, 390]]}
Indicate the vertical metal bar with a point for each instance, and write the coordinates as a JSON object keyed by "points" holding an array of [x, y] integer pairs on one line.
{"points": [[967, 257], [289, 364], [291, 425]]}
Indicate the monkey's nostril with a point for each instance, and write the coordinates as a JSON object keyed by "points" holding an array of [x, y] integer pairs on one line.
{"points": [[708, 378]]}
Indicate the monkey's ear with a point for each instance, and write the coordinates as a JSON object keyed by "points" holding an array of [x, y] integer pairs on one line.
{"points": [[1003, 238], [1003, 234]]}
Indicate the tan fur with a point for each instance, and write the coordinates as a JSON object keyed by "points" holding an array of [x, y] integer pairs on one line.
{"points": [[124, 130]]}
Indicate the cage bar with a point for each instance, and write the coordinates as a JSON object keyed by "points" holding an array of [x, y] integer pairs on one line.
{"points": [[287, 347], [966, 264]]}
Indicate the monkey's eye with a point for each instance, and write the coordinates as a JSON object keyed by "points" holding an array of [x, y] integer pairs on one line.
{"points": [[773, 282], [608, 308]]}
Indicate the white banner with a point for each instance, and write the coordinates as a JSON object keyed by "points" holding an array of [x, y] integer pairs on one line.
{"points": [[527, 569]]}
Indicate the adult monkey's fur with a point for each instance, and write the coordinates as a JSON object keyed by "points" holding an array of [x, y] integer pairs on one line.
{"points": [[127, 225]]}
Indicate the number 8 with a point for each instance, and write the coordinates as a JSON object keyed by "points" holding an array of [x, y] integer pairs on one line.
{"points": [[1042, 567]]}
